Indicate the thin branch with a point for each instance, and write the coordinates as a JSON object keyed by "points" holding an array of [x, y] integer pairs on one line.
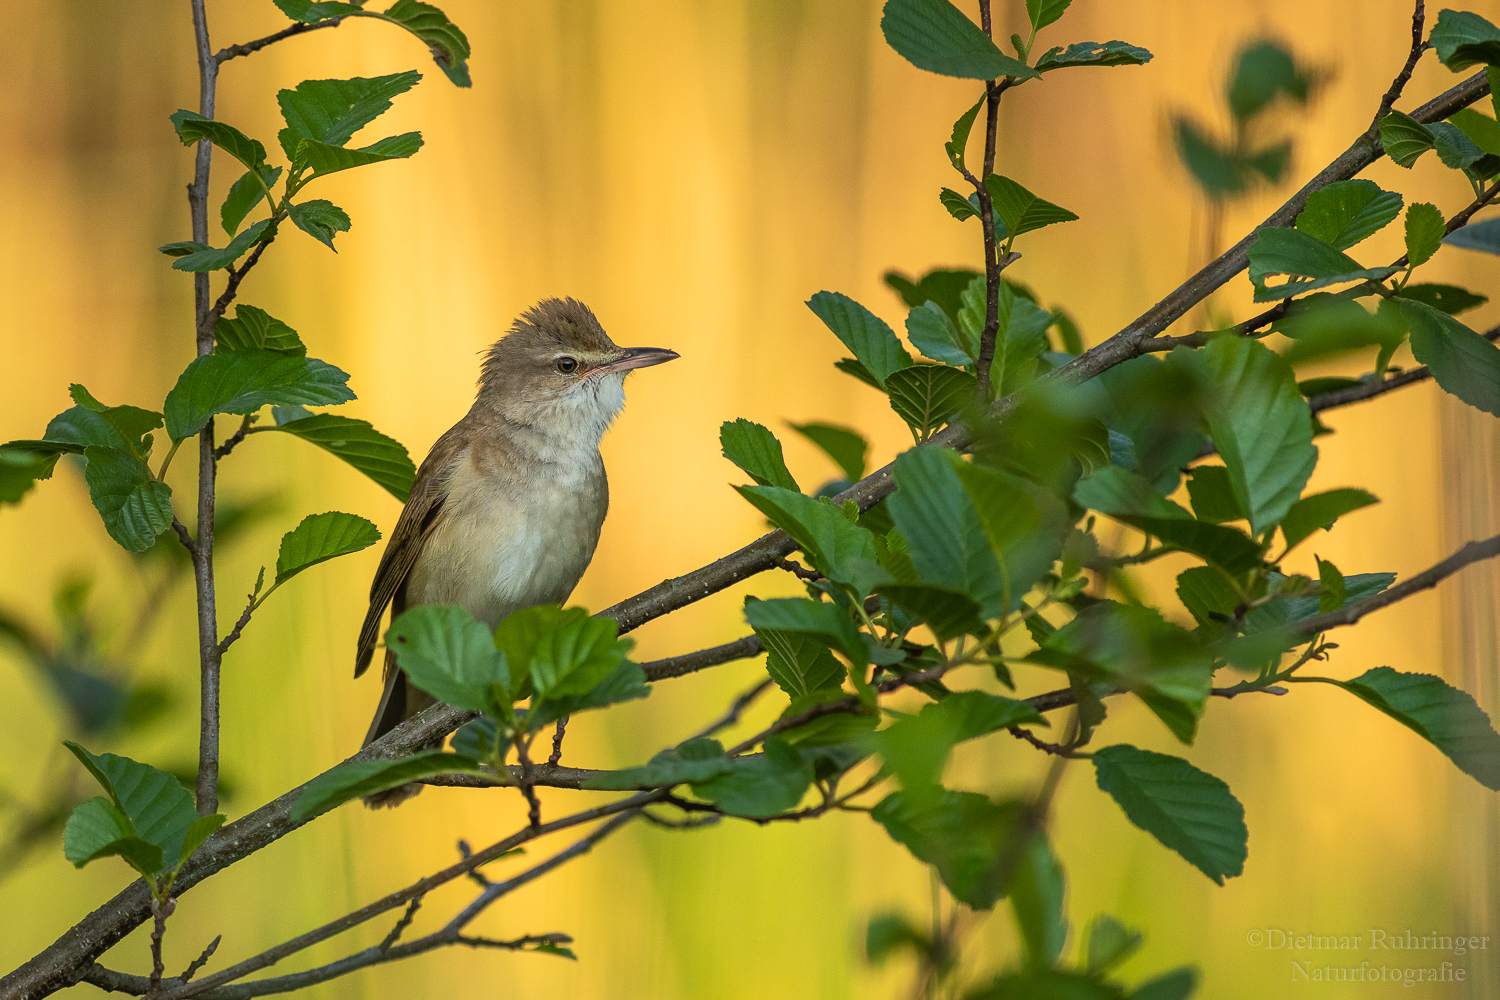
{"points": [[234, 439], [1369, 390], [528, 785], [732, 716], [183, 536], [401, 925], [231, 287], [239, 626], [161, 909], [245, 48], [1418, 46], [201, 960], [557, 740], [798, 570], [677, 666]]}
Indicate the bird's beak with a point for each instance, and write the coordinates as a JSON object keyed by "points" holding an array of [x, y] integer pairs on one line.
{"points": [[641, 357]]}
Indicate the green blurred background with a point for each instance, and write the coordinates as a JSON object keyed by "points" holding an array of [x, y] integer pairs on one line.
{"points": [[694, 171]]}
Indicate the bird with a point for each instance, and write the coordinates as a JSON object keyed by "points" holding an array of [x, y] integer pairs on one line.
{"points": [[506, 509]]}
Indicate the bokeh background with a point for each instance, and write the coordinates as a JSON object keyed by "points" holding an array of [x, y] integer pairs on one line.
{"points": [[694, 172]]}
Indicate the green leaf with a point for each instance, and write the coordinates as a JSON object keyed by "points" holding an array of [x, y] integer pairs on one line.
{"points": [[199, 257], [934, 35], [310, 12], [321, 537], [245, 380], [931, 331], [326, 159], [928, 396], [1264, 71], [1178, 984], [1462, 362], [844, 445], [1332, 591], [626, 682], [566, 652], [942, 285], [1447, 298], [697, 760], [1323, 324], [320, 219], [331, 111], [1443, 715], [840, 549], [192, 127], [1294, 252], [1483, 236], [20, 468], [1404, 138], [849, 366], [447, 653], [948, 613], [135, 507], [203, 827], [252, 329], [960, 141], [245, 194], [890, 932], [1320, 511], [1109, 943], [1213, 495], [367, 777], [1260, 423], [1128, 497], [800, 664], [1053, 984], [157, 808], [1482, 130], [1455, 149], [864, 333], [1045, 12], [1115, 53], [1021, 210], [449, 45], [1024, 523], [1036, 895], [756, 451], [1346, 212], [1462, 39], [1206, 594], [957, 205], [960, 833], [760, 786], [381, 458], [826, 621], [97, 829], [949, 546], [1219, 172], [1189, 811], [90, 422]]}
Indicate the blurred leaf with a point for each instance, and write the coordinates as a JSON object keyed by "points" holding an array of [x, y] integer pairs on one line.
{"points": [[826, 621], [697, 760], [864, 333], [135, 507], [960, 833], [1036, 895], [1212, 495], [1443, 715], [326, 159], [381, 458], [1157, 406], [320, 219], [1023, 211], [155, 805], [890, 932], [1482, 130], [757, 452], [800, 664], [1462, 39], [1024, 523], [321, 537], [1219, 172], [331, 111], [200, 257], [192, 127], [449, 45], [948, 613], [566, 652], [1425, 229], [1053, 984], [20, 468], [941, 285], [927, 397], [367, 777], [245, 194], [960, 138], [1483, 236], [1264, 71], [1331, 589], [933, 35], [447, 653], [1114, 53], [1128, 497], [1323, 324], [1320, 510], [1293, 252], [1447, 298], [1462, 362], [1178, 984], [939, 520], [1189, 811], [844, 445], [1346, 212], [243, 381], [764, 785], [1109, 942], [840, 549], [251, 329]]}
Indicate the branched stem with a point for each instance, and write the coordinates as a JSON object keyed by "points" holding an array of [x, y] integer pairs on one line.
{"points": [[245, 48]]}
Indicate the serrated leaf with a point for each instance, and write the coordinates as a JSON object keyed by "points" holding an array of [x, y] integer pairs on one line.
{"points": [[1045, 12], [97, 829], [1189, 811], [1293, 252], [1024, 523], [245, 194], [1445, 716], [943, 285], [827, 621], [1320, 511], [1447, 298], [800, 664], [949, 546], [1455, 149], [1404, 138], [757, 452], [255, 329], [1332, 591], [960, 140], [1463, 38], [873, 342], [367, 777], [760, 786], [321, 537], [850, 366], [565, 652], [243, 381], [1129, 497], [320, 219], [932, 332], [20, 468], [927, 397], [192, 127], [331, 111], [840, 549], [381, 458], [1036, 896], [962, 834], [449, 45], [1112, 53], [844, 445], [1021, 210], [947, 613], [325, 159], [447, 653], [198, 257], [1213, 495], [957, 205], [311, 12], [158, 809], [1462, 362], [1346, 212], [135, 507], [934, 35], [1483, 236], [1482, 130]]}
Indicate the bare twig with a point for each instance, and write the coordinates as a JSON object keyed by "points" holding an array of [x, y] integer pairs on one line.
{"points": [[736, 710], [401, 925], [234, 439], [528, 784], [798, 570], [239, 626], [183, 536], [201, 960], [555, 757], [207, 320], [245, 48], [1418, 46], [677, 666], [161, 909]]}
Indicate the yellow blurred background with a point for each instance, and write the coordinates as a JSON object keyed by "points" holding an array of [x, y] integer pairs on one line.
{"points": [[694, 172]]}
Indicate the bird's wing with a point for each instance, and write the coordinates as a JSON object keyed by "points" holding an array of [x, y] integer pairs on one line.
{"points": [[418, 518]]}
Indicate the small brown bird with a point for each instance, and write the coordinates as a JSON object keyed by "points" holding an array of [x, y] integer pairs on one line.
{"points": [[506, 509]]}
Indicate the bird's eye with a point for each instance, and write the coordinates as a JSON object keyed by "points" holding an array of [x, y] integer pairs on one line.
{"points": [[567, 365]]}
